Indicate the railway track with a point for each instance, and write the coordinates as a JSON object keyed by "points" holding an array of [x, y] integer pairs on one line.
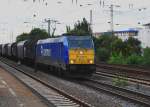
{"points": [[118, 91], [132, 75], [134, 80], [56, 97], [122, 92], [123, 68]]}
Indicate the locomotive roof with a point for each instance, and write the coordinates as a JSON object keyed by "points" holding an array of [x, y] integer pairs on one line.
{"points": [[51, 40], [61, 39], [78, 37]]}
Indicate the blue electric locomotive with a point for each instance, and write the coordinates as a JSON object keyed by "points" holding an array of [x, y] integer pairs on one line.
{"points": [[67, 54]]}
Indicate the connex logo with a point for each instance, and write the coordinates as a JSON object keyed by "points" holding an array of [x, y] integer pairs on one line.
{"points": [[45, 52]]}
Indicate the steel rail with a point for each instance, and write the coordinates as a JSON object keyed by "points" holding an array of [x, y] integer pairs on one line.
{"points": [[134, 80], [123, 68]]}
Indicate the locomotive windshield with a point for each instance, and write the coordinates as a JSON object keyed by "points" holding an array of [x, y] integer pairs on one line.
{"points": [[80, 43]]}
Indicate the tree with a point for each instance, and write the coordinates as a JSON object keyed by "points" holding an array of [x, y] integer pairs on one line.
{"points": [[80, 28], [118, 46], [37, 34], [103, 47], [68, 29], [22, 37], [146, 56], [102, 54], [105, 41], [133, 46]]}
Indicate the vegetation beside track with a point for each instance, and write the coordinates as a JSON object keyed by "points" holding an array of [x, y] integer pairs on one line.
{"points": [[113, 50], [120, 81]]}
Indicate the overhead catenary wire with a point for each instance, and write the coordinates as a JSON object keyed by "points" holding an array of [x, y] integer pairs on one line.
{"points": [[76, 11]]}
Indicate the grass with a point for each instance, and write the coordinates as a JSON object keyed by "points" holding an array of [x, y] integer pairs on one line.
{"points": [[120, 81]]}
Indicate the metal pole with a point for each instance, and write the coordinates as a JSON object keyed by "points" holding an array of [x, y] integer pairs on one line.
{"points": [[112, 17], [49, 23], [91, 20], [49, 33], [112, 21], [53, 23]]}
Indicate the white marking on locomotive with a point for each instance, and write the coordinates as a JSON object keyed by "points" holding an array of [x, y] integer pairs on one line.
{"points": [[45, 52]]}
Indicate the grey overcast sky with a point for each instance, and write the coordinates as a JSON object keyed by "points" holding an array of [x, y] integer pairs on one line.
{"points": [[17, 16]]}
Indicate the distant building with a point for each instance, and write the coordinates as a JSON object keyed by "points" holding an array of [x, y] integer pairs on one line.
{"points": [[98, 34], [144, 35], [124, 34]]}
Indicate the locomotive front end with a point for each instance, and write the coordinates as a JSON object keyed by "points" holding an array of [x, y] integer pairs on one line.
{"points": [[81, 55]]}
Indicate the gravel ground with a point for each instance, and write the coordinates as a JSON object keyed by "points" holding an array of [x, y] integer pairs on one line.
{"points": [[96, 98]]}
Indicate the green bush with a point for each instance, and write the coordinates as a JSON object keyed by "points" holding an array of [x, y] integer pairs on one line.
{"points": [[117, 59], [135, 60], [146, 56], [120, 81], [103, 54], [133, 46]]}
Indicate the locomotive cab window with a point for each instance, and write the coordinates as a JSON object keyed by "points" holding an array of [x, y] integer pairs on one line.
{"points": [[80, 43]]}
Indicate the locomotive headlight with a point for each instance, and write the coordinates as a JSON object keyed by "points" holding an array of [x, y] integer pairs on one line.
{"points": [[72, 61], [91, 61], [81, 52]]}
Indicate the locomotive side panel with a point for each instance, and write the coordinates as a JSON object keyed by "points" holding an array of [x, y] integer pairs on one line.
{"points": [[51, 53]]}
